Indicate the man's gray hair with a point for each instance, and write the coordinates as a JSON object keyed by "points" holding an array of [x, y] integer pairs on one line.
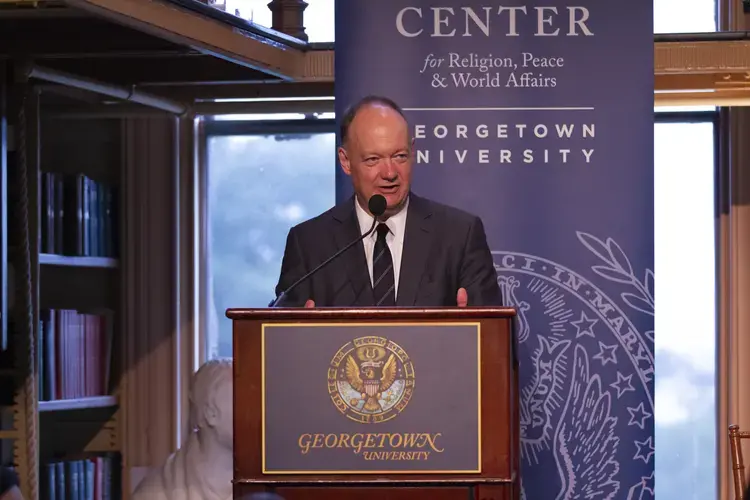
{"points": [[205, 386]]}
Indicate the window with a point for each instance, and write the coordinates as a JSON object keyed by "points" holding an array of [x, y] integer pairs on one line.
{"points": [[262, 179], [256, 11], [319, 16], [685, 16], [685, 344], [319, 21]]}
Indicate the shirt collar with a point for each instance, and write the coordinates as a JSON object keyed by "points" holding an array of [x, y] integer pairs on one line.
{"points": [[396, 223]]}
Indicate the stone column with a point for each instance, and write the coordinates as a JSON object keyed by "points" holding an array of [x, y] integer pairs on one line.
{"points": [[288, 17]]}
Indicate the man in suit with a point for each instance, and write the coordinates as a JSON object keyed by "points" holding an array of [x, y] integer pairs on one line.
{"points": [[423, 253]]}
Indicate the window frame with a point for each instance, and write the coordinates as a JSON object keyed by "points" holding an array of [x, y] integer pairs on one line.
{"points": [[217, 128], [721, 334], [692, 116], [210, 127]]}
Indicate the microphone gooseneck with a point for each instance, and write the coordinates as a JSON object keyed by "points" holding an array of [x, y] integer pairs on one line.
{"points": [[377, 206]]}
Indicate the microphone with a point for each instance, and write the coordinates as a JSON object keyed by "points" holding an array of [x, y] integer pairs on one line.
{"points": [[377, 206]]}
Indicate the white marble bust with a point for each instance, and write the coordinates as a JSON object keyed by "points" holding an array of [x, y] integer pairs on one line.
{"points": [[202, 468]]}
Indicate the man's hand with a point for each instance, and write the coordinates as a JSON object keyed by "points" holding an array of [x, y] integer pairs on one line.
{"points": [[462, 298], [309, 304]]}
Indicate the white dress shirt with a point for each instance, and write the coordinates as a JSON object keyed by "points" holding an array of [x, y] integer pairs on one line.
{"points": [[394, 239]]}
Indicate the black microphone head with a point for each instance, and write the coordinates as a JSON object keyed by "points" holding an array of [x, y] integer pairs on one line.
{"points": [[377, 205]]}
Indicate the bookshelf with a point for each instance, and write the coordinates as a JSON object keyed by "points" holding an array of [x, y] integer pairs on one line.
{"points": [[124, 59], [73, 415], [78, 403], [47, 259]]}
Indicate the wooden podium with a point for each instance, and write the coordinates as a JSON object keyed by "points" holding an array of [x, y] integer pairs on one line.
{"points": [[370, 404]]}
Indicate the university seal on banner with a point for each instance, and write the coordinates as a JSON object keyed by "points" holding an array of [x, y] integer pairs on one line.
{"points": [[371, 379], [587, 382]]}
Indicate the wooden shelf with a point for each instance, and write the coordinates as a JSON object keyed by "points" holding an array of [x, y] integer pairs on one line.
{"points": [[74, 261], [8, 434], [78, 404]]}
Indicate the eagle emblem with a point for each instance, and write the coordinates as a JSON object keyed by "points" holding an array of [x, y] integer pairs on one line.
{"points": [[371, 379]]}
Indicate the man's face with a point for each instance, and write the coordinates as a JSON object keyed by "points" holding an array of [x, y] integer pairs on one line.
{"points": [[378, 156]]}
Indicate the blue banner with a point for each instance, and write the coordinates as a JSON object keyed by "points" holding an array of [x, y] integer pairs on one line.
{"points": [[539, 118]]}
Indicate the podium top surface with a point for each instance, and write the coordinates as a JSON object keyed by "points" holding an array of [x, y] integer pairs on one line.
{"points": [[364, 313]]}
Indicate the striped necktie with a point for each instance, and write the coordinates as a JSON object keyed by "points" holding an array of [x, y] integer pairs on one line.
{"points": [[384, 283]]}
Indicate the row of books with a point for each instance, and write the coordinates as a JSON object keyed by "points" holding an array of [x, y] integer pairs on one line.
{"points": [[74, 354], [78, 216], [96, 477]]}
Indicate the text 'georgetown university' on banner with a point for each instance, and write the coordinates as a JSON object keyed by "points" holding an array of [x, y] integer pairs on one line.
{"points": [[538, 117]]}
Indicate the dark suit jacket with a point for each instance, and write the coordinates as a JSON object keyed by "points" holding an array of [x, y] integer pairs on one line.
{"points": [[444, 249]]}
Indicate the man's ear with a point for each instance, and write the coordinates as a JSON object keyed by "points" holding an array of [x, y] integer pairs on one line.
{"points": [[344, 161]]}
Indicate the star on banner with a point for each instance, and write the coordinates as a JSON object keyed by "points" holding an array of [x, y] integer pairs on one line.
{"points": [[606, 353], [638, 415], [644, 446], [623, 384], [584, 326]]}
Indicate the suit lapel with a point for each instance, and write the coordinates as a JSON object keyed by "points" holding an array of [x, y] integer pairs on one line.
{"points": [[417, 242], [346, 231]]}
